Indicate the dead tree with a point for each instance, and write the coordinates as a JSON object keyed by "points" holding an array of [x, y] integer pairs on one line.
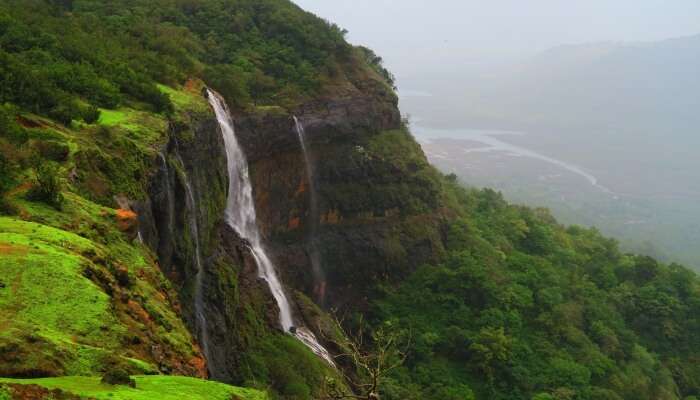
{"points": [[369, 359]]}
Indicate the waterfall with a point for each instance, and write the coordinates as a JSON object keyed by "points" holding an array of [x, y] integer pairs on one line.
{"points": [[201, 321], [139, 236], [168, 192], [314, 254], [240, 215]]}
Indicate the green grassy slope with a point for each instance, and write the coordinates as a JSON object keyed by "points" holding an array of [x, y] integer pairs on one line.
{"points": [[147, 388], [78, 293]]}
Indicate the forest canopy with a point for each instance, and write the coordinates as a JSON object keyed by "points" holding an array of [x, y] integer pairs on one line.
{"points": [[64, 59], [525, 308]]}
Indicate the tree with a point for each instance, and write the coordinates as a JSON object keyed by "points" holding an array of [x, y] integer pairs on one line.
{"points": [[372, 362], [260, 86], [48, 184], [490, 349]]}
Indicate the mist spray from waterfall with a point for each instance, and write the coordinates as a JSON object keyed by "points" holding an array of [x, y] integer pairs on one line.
{"points": [[312, 244], [241, 217]]}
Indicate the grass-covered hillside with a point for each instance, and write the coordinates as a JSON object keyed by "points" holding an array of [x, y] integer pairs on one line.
{"points": [[146, 388], [78, 292]]}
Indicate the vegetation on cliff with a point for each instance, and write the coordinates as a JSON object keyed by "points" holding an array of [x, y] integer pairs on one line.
{"points": [[66, 59], [524, 308]]}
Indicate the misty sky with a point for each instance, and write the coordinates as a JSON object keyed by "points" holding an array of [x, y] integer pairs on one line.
{"points": [[415, 35]]}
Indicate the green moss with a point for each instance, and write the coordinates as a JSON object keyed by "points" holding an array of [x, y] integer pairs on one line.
{"points": [[184, 99], [147, 388], [112, 117], [142, 126]]}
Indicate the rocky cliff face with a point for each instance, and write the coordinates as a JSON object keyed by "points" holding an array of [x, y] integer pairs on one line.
{"points": [[238, 308], [378, 215], [378, 206]]}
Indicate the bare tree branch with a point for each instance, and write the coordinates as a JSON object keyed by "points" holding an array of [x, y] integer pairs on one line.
{"points": [[368, 363]]}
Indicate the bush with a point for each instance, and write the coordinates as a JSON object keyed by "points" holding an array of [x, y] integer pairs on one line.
{"points": [[48, 184], [91, 115], [118, 376], [52, 150], [65, 112]]}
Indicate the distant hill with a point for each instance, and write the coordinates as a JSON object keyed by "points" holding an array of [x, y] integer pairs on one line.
{"points": [[606, 85]]}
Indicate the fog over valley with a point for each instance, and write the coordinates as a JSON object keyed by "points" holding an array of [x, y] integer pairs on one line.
{"points": [[589, 110]]}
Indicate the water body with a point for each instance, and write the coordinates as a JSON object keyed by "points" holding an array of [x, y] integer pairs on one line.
{"points": [[241, 217], [492, 144], [314, 254]]}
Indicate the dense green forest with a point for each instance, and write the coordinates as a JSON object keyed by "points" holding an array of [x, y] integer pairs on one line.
{"points": [[64, 59], [524, 308]]}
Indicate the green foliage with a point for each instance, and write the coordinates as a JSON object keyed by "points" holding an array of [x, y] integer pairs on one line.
{"points": [[117, 376], [48, 184], [91, 114], [293, 371], [9, 129], [377, 63], [106, 54], [523, 308], [409, 184], [52, 150]]}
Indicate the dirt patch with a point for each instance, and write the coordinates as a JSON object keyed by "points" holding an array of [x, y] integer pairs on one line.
{"points": [[194, 86], [19, 189], [200, 365], [35, 392], [126, 220], [7, 249], [29, 123], [138, 313]]}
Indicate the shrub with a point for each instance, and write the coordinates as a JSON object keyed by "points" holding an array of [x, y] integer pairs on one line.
{"points": [[91, 114], [118, 376], [52, 150], [65, 112], [48, 184]]}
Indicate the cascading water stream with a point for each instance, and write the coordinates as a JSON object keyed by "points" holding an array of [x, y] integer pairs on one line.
{"points": [[168, 192], [314, 255], [191, 202], [241, 216]]}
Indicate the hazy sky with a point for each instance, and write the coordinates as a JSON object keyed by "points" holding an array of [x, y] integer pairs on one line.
{"points": [[413, 34]]}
